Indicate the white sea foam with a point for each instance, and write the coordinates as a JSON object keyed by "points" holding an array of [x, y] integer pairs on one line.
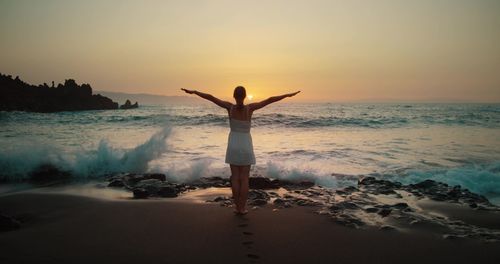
{"points": [[17, 163], [187, 171], [452, 143], [106, 159], [297, 174], [483, 179]]}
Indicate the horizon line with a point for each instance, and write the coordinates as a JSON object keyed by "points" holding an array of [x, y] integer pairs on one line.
{"points": [[369, 100]]}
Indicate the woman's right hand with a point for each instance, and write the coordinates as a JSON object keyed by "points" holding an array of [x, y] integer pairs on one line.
{"points": [[293, 94], [188, 91]]}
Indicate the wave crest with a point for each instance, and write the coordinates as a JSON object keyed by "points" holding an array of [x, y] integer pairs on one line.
{"points": [[19, 162]]}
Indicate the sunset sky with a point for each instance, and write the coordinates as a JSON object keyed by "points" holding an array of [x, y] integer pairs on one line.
{"points": [[434, 50]]}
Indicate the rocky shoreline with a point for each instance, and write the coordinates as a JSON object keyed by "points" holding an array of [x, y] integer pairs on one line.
{"points": [[293, 222], [377, 203], [372, 203]]}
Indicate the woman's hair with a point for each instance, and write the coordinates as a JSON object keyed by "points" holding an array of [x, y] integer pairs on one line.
{"points": [[239, 92]]}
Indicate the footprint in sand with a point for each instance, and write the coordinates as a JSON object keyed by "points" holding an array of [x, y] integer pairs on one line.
{"points": [[253, 256], [248, 244]]}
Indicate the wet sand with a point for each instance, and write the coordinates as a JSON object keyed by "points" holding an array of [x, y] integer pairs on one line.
{"points": [[63, 228]]}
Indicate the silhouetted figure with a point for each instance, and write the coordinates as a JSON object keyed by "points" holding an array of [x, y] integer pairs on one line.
{"points": [[239, 152]]}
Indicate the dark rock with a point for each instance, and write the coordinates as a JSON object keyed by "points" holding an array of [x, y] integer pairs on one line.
{"points": [[367, 181], [373, 181], [347, 190], [258, 194], [305, 202], [140, 193], [129, 105], [439, 197], [408, 210], [133, 179], [348, 220], [189, 187], [168, 191], [387, 228], [371, 210], [454, 193], [157, 176], [220, 199], [16, 95], [400, 206], [48, 172], [116, 183], [281, 203], [296, 185], [376, 186], [273, 194], [262, 183], [351, 189], [384, 212], [8, 223], [151, 185], [306, 184], [426, 184], [340, 206], [206, 182]]}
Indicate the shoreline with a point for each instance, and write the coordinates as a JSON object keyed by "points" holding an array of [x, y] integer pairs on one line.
{"points": [[62, 228]]}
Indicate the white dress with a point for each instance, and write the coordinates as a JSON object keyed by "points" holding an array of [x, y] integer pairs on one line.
{"points": [[239, 146]]}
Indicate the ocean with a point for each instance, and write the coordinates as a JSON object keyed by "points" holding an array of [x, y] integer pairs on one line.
{"points": [[331, 144]]}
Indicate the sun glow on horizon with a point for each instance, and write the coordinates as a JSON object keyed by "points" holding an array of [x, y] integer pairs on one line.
{"points": [[332, 50], [250, 97]]}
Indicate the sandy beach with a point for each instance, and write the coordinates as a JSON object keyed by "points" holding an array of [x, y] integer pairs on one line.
{"points": [[304, 131], [63, 228]]}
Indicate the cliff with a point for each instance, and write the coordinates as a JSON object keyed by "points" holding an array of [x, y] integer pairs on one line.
{"points": [[16, 95]]}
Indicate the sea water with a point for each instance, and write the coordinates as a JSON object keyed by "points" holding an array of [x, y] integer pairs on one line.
{"points": [[331, 144]]}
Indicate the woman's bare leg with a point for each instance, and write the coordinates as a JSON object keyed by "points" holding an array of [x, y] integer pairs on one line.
{"points": [[244, 175], [235, 185]]}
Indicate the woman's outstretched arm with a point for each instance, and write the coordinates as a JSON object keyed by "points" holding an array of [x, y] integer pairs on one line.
{"points": [[209, 97], [270, 100]]}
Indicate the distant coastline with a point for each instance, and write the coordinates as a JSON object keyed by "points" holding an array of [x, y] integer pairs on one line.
{"points": [[17, 95], [151, 99]]}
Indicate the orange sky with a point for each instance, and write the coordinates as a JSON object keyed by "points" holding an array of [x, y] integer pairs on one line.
{"points": [[331, 50]]}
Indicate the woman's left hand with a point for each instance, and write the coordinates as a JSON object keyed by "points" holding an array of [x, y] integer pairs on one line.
{"points": [[188, 91]]}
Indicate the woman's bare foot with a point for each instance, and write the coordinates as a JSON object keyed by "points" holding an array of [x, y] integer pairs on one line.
{"points": [[244, 212]]}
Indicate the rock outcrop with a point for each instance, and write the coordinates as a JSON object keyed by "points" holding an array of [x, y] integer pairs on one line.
{"points": [[16, 95], [129, 105]]}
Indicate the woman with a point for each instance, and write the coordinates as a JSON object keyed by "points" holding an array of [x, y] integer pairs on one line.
{"points": [[239, 153]]}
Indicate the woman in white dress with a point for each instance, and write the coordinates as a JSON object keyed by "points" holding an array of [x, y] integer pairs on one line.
{"points": [[239, 153]]}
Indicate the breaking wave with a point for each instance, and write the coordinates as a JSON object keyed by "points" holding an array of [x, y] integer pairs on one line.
{"points": [[18, 162]]}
